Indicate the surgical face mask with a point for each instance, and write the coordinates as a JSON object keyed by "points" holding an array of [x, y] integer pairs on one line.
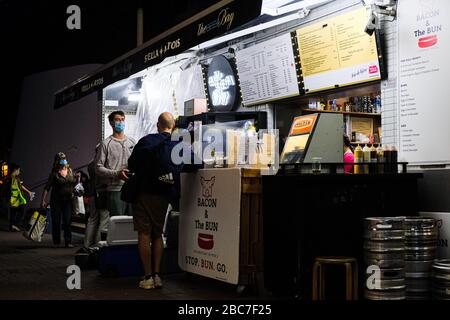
{"points": [[119, 126], [63, 162]]}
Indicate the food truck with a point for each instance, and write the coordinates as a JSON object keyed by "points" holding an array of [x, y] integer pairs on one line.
{"points": [[308, 73]]}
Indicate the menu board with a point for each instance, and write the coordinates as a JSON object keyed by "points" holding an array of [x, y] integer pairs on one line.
{"points": [[267, 71], [337, 52], [424, 48]]}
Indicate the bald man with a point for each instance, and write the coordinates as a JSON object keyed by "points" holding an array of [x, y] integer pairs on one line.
{"points": [[158, 180]]}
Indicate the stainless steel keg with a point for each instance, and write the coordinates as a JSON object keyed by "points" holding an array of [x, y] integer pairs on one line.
{"points": [[421, 235], [384, 247], [441, 279]]}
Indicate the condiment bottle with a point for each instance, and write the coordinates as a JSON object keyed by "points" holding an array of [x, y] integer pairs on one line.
{"points": [[359, 157]]}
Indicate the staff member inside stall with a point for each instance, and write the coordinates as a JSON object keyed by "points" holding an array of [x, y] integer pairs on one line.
{"points": [[348, 155]]}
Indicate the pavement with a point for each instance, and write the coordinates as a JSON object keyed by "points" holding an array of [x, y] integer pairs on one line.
{"points": [[37, 271]]}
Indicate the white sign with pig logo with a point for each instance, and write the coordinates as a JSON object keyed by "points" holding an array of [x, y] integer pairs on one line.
{"points": [[209, 223], [207, 186]]}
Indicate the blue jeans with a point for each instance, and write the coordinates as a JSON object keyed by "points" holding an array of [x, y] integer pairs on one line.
{"points": [[61, 211]]}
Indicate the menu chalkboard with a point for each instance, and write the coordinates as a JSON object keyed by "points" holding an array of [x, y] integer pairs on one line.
{"points": [[337, 52], [267, 71]]}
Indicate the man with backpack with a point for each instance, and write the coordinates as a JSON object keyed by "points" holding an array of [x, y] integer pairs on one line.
{"points": [[158, 185]]}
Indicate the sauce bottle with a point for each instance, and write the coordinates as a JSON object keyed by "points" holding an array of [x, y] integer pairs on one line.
{"points": [[366, 151], [380, 159], [387, 158], [394, 159], [359, 157], [373, 160]]}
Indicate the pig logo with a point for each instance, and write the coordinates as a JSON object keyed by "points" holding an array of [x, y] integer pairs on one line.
{"points": [[207, 186]]}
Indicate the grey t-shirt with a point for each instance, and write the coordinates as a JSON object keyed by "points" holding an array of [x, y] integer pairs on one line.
{"points": [[111, 158]]}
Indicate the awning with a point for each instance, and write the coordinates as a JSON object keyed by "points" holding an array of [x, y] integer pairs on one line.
{"points": [[216, 20]]}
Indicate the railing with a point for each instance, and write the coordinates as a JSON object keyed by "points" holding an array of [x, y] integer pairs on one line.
{"points": [[43, 182], [332, 167]]}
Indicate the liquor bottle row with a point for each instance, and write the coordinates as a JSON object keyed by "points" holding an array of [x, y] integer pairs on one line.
{"points": [[378, 160], [367, 104]]}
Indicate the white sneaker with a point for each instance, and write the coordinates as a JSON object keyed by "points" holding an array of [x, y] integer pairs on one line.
{"points": [[147, 284], [157, 281]]}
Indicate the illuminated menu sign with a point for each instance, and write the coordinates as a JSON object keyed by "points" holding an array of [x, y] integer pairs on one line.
{"points": [[221, 83], [267, 71], [337, 52]]}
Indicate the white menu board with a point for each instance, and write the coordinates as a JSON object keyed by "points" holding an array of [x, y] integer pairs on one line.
{"points": [[424, 50], [267, 71]]}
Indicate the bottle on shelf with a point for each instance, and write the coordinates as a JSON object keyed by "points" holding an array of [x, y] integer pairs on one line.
{"points": [[380, 159], [322, 105], [356, 105], [334, 106], [378, 104], [387, 158], [370, 103], [359, 157], [366, 155], [347, 105], [373, 160], [394, 159]]}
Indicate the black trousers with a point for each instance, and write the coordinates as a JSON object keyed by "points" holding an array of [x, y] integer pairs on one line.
{"points": [[16, 216], [61, 211]]}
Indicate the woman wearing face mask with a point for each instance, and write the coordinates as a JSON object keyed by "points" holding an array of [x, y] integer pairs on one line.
{"points": [[61, 181]]}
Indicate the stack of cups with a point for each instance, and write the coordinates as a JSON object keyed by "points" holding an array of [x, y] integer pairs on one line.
{"points": [[384, 256], [441, 279], [421, 245]]}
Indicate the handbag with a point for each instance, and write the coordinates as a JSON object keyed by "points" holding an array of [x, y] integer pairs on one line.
{"points": [[130, 189]]}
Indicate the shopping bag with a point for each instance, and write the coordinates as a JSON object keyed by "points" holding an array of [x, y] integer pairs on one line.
{"points": [[36, 227], [78, 206]]}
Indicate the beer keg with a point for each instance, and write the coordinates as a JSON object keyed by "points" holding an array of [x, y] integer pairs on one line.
{"points": [[421, 236], [384, 247], [441, 279]]}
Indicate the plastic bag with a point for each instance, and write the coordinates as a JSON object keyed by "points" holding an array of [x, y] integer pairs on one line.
{"points": [[78, 191], [78, 205]]}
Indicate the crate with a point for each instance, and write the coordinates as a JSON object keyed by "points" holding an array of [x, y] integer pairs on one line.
{"points": [[251, 251]]}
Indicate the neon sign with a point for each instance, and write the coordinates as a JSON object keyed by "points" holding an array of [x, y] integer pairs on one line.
{"points": [[221, 84]]}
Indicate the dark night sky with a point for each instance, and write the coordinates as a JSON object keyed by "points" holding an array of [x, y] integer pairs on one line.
{"points": [[34, 38]]}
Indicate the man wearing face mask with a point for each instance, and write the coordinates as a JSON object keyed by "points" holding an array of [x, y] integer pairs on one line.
{"points": [[111, 164]]}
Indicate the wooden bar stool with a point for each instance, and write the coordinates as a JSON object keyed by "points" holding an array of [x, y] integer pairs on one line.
{"points": [[351, 276]]}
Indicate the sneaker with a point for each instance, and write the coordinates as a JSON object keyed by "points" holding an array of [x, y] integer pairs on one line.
{"points": [[69, 245], [157, 281], [15, 228], [147, 284]]}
